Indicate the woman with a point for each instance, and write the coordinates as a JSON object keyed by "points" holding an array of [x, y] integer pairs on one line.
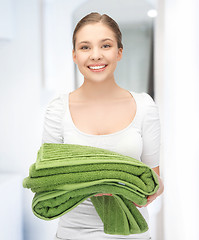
{"points": [[101, 114]]}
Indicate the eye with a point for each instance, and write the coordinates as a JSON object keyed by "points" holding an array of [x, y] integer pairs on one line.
{"points": [[84, 47], [106, 46]]}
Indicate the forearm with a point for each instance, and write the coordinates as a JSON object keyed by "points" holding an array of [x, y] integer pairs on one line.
{"points": [[161, 185]]}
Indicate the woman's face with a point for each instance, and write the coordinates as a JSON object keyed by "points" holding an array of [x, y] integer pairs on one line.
{"points": [[96, 52]]}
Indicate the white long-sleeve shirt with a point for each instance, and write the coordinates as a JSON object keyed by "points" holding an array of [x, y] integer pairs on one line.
{"points": [[140, 140]]}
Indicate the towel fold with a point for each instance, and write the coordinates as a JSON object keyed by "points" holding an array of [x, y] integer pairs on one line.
{"points": [[64, 175]]}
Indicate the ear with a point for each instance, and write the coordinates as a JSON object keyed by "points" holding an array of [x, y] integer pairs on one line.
{"points": [[119, 56], [74, 56]]}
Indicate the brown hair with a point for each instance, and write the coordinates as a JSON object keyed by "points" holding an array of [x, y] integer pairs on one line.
{"points": [[95, 17]]}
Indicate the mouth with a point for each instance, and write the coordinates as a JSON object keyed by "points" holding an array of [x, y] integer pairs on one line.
{"points": [[97, 68]]}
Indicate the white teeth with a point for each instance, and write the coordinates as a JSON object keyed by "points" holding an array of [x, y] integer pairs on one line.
{"points": [[97, 67]]}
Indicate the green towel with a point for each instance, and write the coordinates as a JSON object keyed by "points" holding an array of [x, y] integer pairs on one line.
{"points": [[64, 175]]}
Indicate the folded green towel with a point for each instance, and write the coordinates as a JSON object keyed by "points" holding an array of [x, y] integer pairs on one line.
{"points": [[65, 175]]}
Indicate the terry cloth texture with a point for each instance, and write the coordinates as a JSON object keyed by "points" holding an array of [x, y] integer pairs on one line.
{"points": [[65, 175]]}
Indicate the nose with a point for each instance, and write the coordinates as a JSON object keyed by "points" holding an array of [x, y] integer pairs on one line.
{"points": [[96, 54]]}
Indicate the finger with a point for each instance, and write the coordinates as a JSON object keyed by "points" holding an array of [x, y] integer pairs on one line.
{"points": [[137, 205], [101, 194], [98, 195]]}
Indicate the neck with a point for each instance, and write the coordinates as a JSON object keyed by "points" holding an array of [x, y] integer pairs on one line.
{"points": [[99, 91]]}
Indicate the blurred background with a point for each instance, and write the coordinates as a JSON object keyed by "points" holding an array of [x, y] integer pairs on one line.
{"points": [[161, 57]]}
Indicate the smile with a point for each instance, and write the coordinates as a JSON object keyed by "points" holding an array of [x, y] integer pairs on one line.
{"points": [[98, 68]]}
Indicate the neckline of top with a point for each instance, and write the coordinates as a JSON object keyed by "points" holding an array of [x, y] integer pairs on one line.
{"points": [[104, 135]]}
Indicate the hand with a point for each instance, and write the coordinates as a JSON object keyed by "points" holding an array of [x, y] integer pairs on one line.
{"points": [[101, 194], [151, 198]]}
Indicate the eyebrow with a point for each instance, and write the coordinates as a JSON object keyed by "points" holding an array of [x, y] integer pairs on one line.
{"points": [[103, 40]]}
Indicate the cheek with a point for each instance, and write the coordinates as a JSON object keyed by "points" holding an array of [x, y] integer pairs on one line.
{"points": [[81, 59], [113, 56]]}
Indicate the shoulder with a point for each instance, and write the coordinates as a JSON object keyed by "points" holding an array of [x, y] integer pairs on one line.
{"points": [[144, 98], [55, 108], [57, 104], [146, 104], [53, 120]]}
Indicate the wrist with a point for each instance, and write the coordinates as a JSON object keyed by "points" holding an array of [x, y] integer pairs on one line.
{"points": [[161, 186]]}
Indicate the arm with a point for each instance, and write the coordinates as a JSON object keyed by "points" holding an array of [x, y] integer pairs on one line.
{"points": [[52, 127], [151, 142]]}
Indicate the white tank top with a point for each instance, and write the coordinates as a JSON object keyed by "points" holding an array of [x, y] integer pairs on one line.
{"points": [[140, 140]]}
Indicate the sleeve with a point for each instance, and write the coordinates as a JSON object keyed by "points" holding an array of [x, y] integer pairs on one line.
{"points": [[53, 122], [150, 133]]}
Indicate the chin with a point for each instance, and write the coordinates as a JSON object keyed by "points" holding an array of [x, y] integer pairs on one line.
{"points": [[95, 80]]}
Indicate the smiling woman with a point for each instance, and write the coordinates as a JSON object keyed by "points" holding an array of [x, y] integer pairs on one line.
{"points": [[96, 53], [102, 114]]}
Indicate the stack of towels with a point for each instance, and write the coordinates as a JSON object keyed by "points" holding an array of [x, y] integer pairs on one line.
{"points": [[64, 175]]}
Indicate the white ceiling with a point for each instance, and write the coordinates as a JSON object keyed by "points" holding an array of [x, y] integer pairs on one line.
{"points": [[125, 12]]}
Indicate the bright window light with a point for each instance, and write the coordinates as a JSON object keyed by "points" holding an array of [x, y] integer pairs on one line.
{"points": [[152, 13]]}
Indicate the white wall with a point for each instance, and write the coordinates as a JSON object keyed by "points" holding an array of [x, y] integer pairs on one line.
{"points": [[20, 89], [23, 100], [10, 188], [177, 95]]}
